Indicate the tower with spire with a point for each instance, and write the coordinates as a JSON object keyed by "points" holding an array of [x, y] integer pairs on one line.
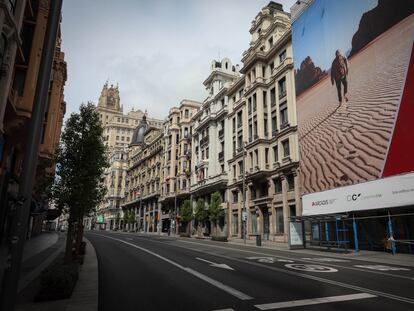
{"points": [[109, 98]]}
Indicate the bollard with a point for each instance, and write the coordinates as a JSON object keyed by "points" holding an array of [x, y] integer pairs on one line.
{"points": [[258, 240]]}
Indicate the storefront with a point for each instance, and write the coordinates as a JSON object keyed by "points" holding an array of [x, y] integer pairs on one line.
{"points": [[375, 215]]}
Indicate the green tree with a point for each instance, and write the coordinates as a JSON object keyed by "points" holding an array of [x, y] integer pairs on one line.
{"points": [[201, 214], [216, 213], [80, 161], [186, 212]]}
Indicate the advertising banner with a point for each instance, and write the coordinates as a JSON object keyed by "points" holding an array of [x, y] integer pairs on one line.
{"points": [[353, 65], [382, 193]]}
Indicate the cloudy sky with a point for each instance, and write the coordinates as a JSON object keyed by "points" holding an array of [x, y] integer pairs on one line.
{"points": [[158, 51]]}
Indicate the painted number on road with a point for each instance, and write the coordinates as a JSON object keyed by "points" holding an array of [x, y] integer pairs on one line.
{"points": [[269, 259], [381, 268], [310, 268]]}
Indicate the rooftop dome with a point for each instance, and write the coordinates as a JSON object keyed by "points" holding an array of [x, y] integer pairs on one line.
{"points": [[139, 133]]}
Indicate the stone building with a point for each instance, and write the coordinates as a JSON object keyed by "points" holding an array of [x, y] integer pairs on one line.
{"points": [[118, 132], [144, 177], [211, 136], [264, 131], [176, 162], [118, 127], [23, 27]]}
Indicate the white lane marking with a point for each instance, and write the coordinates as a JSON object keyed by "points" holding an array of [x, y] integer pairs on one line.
{"points": [[199, 275], [381, 268], [129, 239], [326, 259], [314, 301], [216, 265], [310, 268], [284, 257], [306, 276], [229, 309], [268, 259]]}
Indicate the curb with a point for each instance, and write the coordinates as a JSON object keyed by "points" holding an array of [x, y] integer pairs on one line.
{"points": [[85, 294]]}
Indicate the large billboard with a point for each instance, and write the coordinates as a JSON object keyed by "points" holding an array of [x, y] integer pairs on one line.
{"points": [[354, 78]]}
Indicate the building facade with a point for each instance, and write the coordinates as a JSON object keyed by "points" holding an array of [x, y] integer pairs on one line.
{"points": [[118, 134], [263, 132], [23, 27], [210, 137], [144, 177], [118, 127], [176, 165]]}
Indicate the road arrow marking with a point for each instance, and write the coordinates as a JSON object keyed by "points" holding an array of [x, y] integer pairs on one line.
{"points": [[268, 259], [217, 265], [205, 278]]}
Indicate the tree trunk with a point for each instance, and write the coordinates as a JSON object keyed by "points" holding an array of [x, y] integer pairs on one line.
{"points": [[78, 239], [69, 243]]}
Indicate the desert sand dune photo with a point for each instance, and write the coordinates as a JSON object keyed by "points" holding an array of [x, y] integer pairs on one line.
{"points": [[346, 143]]}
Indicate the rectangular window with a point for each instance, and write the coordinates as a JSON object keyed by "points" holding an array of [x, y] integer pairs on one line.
{"points": [[292, 210], [254, 102], [235, 196], [290, 182], [282, 87], [278, 185], [274, 124], [264, 100], [254, 222], [285, 145], [241, 167], [239, 119], [273, 97], [282, 56], [267, 155], [240, 142], [275, 153], [280, 228], [283, 115]]}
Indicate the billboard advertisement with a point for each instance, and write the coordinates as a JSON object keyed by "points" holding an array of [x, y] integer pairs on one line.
{"points": [[354, 79]]}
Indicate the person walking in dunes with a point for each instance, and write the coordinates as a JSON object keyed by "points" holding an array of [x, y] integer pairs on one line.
{"points": [[339, 73]]}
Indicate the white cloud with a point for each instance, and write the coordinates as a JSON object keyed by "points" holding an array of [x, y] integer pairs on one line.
{"points": [[158, 51]]}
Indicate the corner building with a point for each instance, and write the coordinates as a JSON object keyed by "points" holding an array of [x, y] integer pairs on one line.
{"points": [[144, 176], [210, 139], [262, 114], [118, 132]]}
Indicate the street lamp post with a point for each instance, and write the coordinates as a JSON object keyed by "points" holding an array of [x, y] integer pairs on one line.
{"points": [[244, 213]]}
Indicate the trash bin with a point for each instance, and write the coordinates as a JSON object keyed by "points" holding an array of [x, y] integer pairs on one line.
{"points": [[258, 240]]}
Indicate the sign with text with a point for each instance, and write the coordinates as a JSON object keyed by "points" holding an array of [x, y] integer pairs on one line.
{"points": [[382, 193], [295, 234]]}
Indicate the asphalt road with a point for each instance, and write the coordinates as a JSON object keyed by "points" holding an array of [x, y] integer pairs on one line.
{"points": [[140, 272]]}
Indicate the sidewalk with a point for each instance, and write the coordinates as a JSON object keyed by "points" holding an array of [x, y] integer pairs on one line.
{"points": [[85, 294], [38, 253]]}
